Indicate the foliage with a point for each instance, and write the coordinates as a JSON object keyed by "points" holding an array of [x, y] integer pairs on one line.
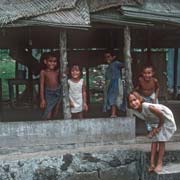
{"points": [[7, 70], [96, 83]]}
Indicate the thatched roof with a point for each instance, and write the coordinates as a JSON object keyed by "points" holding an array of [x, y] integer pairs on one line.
{"points": [[63, 13], [37, 12], [149, 13], [155, 11], [96, 5], [77, 13]]}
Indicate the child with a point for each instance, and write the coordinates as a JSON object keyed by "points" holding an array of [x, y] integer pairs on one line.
{"points": [[147, 85], [113, 90], [77, 93], [50, 89], [162, 122]]}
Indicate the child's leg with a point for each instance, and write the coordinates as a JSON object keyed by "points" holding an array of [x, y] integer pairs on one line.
{"points": [[160, 157], [153, 156], [49, 116], [78, 115], [113, 111], [56, 110]]}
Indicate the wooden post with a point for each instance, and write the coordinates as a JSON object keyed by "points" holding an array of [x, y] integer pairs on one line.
{"points": [[149, 45], [127, 59], [175, 72], [63, 74], [87, 85]]}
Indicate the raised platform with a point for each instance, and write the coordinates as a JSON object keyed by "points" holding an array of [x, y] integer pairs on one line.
{"points": [[88, 149], [78, 133]]}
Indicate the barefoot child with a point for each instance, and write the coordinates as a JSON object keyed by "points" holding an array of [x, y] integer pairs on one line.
{"points": [[77, 93], [50, 91], [148, 87], [113, 90], [162, 122]]}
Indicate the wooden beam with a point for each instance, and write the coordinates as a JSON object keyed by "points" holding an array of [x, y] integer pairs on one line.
{"points": [[127, 59], [63, 75], [175, 72]]}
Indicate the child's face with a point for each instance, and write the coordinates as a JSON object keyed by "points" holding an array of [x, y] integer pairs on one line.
{"points": [[134, 102], [108, 57], [51, 63], [75, 72], [148, 73]]}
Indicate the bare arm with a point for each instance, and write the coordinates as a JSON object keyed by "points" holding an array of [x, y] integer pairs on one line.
{"points": [[85, 106], [156, 89], [159, 114], [70, 101], [42, 82]]}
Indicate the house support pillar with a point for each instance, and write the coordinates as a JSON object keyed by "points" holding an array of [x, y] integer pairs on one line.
{"points": [[175, 72], [127, 59], [63, 74]]}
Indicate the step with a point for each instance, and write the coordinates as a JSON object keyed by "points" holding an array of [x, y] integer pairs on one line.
{"points": [[170, 171], [144, 139], [170, 168]]}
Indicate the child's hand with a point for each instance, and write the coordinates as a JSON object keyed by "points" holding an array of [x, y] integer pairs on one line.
{"points": [[85, 107], [71, 104], [153, 132], [43, 104]]}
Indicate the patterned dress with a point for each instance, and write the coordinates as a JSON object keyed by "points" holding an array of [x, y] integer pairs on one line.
{"points": [[169, 125]]}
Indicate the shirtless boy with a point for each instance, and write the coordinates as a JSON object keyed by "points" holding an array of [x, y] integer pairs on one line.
{"points": [[147, 85], [50, 90]]}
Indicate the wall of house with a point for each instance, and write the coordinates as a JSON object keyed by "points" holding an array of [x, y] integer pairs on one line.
{"points": [[170, 69]]}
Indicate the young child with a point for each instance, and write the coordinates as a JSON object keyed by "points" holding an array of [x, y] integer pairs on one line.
{"points": [[50, 89], [113, 90], [147, 85], [77, 93], [162, 122]]}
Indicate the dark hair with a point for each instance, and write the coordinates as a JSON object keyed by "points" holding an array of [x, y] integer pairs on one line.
{"points": [[109, 51], [47, 55], [148, 66], [137, 95], [72, 65]]}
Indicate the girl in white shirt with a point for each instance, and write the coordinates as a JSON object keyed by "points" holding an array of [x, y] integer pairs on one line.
{"points": [[162, 123], [77, 93]]}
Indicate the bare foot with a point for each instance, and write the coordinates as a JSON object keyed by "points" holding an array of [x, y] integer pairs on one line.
{"points": [[151, 168], [158, 168], [113, 116]]}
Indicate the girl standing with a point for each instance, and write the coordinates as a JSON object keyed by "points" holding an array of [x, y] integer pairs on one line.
{"points": [[113, 90], [161, 119], [77, 93]]}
